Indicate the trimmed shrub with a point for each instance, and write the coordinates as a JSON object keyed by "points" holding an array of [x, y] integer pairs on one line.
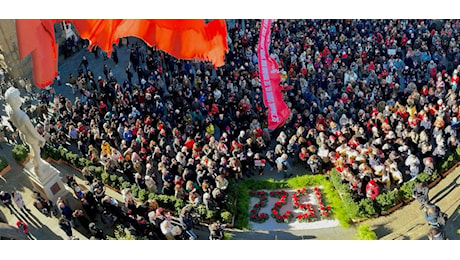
{"points": [[54, 153], [134, 190], [63, 152], [3, 163], [142, 195], [424, 177], [226, 217], [211, 215], [105, 178], [82, 163], [113, 181], [387, 200], [366, 208], [365, 233], [20, 152], [169, 202], [45, 152], [405, 192], [125, 185]]}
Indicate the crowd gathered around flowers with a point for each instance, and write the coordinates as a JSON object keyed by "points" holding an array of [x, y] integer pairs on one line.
{"points": [[376, 99]]}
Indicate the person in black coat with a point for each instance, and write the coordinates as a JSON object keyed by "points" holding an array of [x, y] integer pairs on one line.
{"points": [[81, 219], [186, 221], [65, 225], [6, 198]]}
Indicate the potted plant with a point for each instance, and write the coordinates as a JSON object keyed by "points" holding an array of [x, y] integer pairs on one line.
{"points": [[21, 153], [405, 192], [227, 217], [54, 153], [388, 202], [45, 153], [366, 208], [143, 195], [62, 153], [435, 178], [4, 166]]}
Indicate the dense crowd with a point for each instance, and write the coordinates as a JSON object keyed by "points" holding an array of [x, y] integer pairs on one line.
{"points": [[376, 99]]}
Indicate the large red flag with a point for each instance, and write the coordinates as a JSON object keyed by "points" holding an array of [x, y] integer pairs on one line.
{"points": [[270, 78], [183, 39], [36, 37]]}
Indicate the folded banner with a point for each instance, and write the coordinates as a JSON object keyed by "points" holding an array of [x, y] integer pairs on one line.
{"points": [[270, 78], [181, 38]]}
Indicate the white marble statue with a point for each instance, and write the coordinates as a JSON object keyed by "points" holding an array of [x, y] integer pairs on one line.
{"points": [[27, 131]]}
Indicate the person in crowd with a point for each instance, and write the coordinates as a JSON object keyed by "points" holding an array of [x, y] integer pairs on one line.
{"points": [[420, 193], [66, 226], [19, 201], [6, 199]]}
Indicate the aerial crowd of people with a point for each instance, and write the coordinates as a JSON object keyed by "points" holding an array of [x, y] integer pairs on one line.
{"points": [[374, 99]]}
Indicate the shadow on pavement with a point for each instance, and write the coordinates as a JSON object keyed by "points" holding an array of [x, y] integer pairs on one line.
{"points": [[446, 190], [382, 230], [453, 224], [270, 235]]}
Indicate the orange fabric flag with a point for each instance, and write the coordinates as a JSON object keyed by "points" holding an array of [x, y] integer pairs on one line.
{"points": [[182, 38], [99, 32], [36, 37]]}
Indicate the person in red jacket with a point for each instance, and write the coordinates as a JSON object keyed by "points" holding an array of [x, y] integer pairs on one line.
{"points": [[23, 227], [372, 189]]}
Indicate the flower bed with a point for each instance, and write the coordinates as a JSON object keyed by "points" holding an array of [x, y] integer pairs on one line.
{"points": [[302, 208], [287, 216], [242, 189], [308, 212], [325, 210], [255, 216]]}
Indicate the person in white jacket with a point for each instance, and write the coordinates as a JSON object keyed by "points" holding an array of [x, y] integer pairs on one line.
{"points": [[17, 197]]}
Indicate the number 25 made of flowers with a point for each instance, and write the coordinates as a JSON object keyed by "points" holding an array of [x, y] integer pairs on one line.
{"points": [[307, 205]]}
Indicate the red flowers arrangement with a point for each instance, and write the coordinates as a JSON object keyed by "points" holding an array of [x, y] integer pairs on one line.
{"points": [[296, 198], [308, 213], [325, 211], [254, 213], [287, 216]]}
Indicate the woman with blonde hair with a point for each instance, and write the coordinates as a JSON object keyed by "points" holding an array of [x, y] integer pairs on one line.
{"points": [[279, 150]]}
